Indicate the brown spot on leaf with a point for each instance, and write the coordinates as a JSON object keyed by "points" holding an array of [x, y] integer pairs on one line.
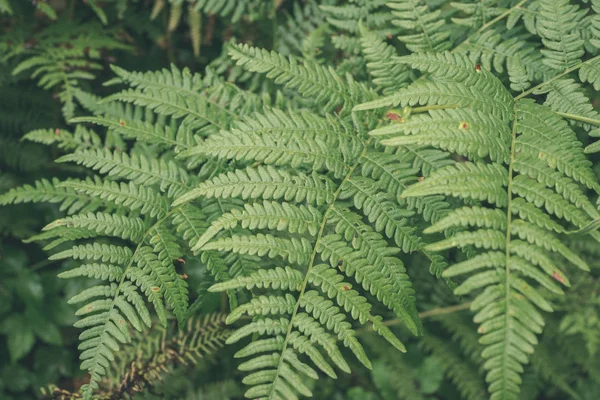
{"points": [[558, 277], [392, 116]]}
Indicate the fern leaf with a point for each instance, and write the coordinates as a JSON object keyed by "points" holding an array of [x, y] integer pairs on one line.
{"points": [[522, 202], [294, 250], [266, 182], [96, 251], [557, 25], [277, 278], [103, 224], [566, 96], [387, 74], [169, 284], [519, 79], [269, 214], [132, 196], [277, 143], [477, 181], [312, 80], [51, 192], [466, 132], [422, 26], [137, 168]]}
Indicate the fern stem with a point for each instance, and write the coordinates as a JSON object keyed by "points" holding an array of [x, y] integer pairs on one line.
{"points": [[415, 110], [566, 72], [579, 118], [432, 313], [313, 257], [443, 310], [508, 313], [490, 23], [40, 265]]}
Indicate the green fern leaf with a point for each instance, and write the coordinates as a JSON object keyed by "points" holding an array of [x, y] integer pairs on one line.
{"points": [[557, 25], [529, 183], [137, 168]]}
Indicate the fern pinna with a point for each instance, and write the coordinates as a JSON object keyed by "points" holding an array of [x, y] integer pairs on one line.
{"points": [[521, 182]]}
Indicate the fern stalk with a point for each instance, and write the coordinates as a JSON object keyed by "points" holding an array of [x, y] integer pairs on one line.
{"points": [[508, 313], [311, 263]]}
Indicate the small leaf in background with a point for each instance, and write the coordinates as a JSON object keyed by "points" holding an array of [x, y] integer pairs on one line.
{"points": [[20, 337], [15, 378], [430, 375]]}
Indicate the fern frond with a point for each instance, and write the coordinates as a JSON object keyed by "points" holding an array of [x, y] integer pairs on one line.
{"points": [[151, 133], [469, 133], [103, 224], [381, 212], [477, 181], [278, 278], [422, 28], [190, 223], [326, 89], [137, 168], [133, 197], [294, 250], [96, 251], [519, 78], [449, 95], [295, 204], [265, 182], [223, 8], [589, 72], [266, 215], [64, 67], [530, 182], [557, 26], [387, 74], [52, 192], [493, 50], [168, 283], [464, 375], [343, 17], [272, 139], [566, 96]]}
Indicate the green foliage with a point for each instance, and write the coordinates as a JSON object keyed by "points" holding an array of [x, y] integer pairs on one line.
{"points": [[514, 207], [296, 190]]}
